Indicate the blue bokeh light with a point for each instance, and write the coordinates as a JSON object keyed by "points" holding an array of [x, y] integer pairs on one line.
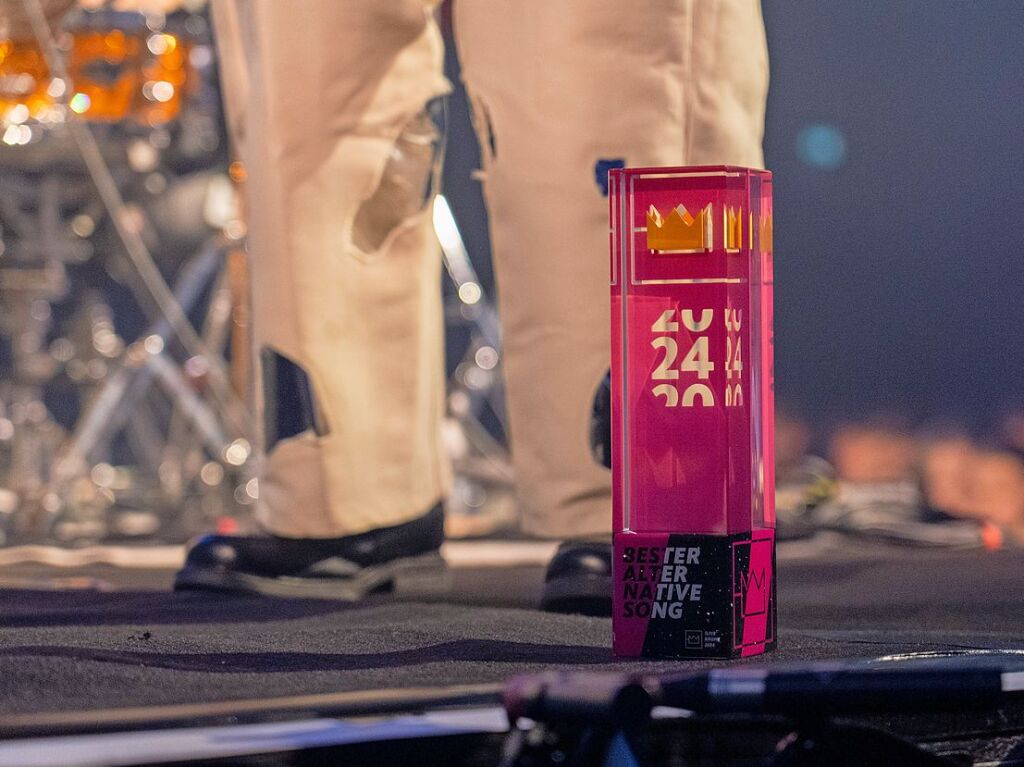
{"points": [[821, 146]]}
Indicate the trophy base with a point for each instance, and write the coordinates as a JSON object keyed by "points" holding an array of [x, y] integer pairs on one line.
{"points": [[679, 595]]}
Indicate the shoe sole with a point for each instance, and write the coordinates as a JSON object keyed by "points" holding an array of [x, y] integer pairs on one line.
{"points": [[410, 576], [582, 595]]}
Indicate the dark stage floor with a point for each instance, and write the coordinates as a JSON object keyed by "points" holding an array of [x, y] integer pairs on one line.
{"points": [[74, 647]]}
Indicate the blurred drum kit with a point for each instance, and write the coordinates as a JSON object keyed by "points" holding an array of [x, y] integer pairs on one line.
{"points": [[124, 351]]}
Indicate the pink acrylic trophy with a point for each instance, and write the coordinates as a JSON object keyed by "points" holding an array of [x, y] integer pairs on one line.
{"points": [[692, 412]]}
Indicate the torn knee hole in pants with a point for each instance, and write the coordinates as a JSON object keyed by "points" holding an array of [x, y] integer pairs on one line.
{"points": [[290, 407], [408, 182]]}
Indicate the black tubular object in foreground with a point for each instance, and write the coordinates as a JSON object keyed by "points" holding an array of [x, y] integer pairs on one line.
{"points": [[611, 700], [804, 691], [826, 689]]}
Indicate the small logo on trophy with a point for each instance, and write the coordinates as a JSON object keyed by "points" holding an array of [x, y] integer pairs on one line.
{"points": [[732, 228], [766, 233], [679, 231]]}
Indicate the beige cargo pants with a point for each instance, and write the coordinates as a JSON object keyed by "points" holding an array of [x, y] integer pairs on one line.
{"points": [[326, 100]]}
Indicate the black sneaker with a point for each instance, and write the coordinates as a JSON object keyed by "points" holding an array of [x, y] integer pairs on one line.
{"points": [[579, 579], [403, 558]]}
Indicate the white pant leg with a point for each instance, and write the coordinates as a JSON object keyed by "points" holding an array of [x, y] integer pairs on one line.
{"points": [[556, 87], [331, 85]]}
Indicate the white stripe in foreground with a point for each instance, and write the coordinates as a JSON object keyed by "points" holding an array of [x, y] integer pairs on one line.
{"points": [[158, 746], [1013, 681]]}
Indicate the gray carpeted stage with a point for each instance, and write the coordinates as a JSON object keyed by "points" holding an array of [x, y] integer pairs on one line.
{"points": [[76, 648]]}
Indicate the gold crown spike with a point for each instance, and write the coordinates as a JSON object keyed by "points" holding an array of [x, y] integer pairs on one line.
{"points": [[732, 228], [679, 231], [766, 233]]}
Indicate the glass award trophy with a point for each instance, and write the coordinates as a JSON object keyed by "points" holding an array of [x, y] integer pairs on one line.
{"points": [[692, 412]]}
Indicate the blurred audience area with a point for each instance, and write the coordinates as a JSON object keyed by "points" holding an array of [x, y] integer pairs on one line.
{"points": [[926, 474]]}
